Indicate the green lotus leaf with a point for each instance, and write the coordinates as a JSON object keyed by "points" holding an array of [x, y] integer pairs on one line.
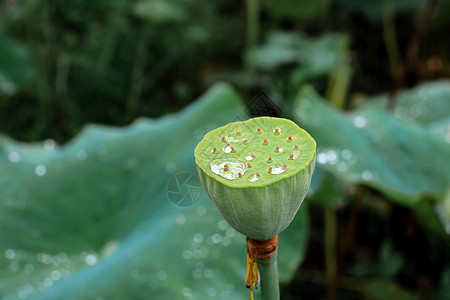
{"points": [[92, 219], [257, 173], [404, 160]]}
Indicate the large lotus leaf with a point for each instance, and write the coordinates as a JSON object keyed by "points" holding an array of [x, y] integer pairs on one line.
{"points": [[402, 159], [15, 65], [427, 104], [93, 220]]}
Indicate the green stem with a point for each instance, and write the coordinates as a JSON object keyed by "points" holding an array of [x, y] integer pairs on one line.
{"points": [[268, 272], [330, 252], [253, 8], [390, 37], [341, 74]]}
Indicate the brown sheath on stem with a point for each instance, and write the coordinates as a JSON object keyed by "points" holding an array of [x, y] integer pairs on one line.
{"points": [[263, 250]]}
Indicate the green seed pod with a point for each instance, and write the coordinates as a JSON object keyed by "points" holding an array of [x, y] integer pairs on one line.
{"points": [[257, 173]]}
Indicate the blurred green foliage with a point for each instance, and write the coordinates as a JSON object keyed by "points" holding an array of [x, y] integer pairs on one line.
{"points": [[91, 219]]}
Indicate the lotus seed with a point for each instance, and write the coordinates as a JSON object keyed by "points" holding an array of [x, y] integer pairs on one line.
{"points": [[289, 139], [276, 131], [245, 142], [258, 131], [269, 161], [265, 142]]}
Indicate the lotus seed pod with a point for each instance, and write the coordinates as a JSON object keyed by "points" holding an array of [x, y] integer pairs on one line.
{"points": [[257, 177]]}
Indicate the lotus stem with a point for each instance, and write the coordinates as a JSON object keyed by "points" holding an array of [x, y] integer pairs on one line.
{"points": [[268, 271], [265, 253]]}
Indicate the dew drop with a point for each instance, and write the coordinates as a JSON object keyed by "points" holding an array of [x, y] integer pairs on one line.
{"points": [[14, 266], [40, 170], [278, 149], [228, 148], [91, 259], [232, 169], [10, 254], [55, 275], [294, 155], [49, 144], [366, 175], [322, 158], [48, 282], [14, 157], [254, 177], [222, 225], [346, 154], [278, 169], [216, 238], [331, 157], [187, 254], [250, 156], [180, 219], [359, 121], [198, 238]]}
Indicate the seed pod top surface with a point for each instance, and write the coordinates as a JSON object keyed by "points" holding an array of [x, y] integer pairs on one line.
{"points": [[254, 153]]}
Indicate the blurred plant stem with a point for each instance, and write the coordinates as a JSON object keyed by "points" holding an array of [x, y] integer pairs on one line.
{"points": [[62, 76], [137, 75], [337, 90], [411, 52], [340, 77], [348, 237], [253, 10], [390, 37], [330, 251]]}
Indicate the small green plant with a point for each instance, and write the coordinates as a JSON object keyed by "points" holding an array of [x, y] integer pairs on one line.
{"points": [[257, 173]]}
